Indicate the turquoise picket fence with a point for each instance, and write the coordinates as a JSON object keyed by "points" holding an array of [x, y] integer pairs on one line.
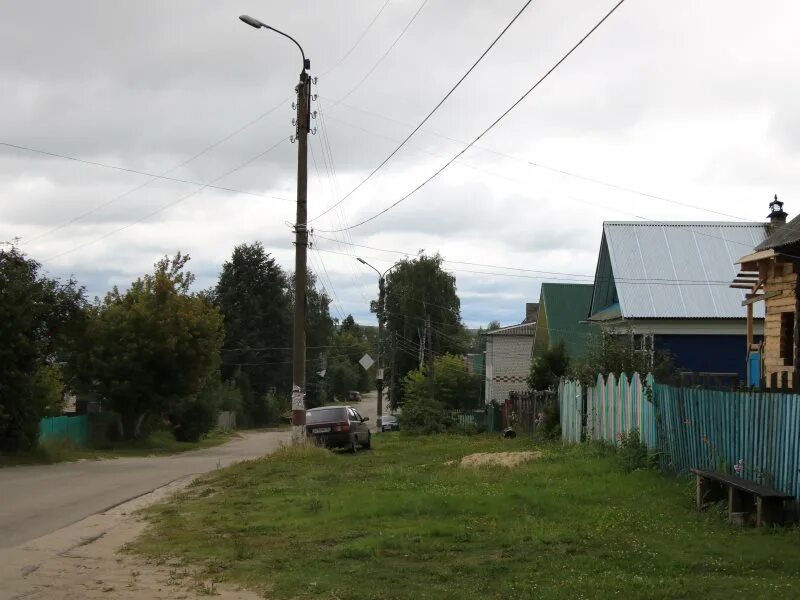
{"points": [[74, 429], [611, 407], [692, 427], [716, 430]]}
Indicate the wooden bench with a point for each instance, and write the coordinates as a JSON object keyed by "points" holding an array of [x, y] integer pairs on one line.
{"points": [[743, 497]]}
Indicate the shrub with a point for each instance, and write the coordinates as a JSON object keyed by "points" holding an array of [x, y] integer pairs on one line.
{"points": [[633, 453], [274, 407], [424, 415], [191, 419]]}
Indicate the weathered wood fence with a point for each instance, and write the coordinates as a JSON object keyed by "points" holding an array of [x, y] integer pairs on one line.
{"points": [[692, 427], [525, 411]]}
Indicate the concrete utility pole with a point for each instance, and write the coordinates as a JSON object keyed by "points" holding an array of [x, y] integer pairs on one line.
{"points": [[302, 128], [381, 312]]}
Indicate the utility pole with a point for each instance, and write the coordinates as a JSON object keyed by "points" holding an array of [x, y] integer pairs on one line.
{"points": [[300, 248], [380, 310], [303, 126], [381, 317], [428, 337], [393, 387]]}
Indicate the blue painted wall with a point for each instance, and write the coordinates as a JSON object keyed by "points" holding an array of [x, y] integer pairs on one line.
{"points": [[714, 353]]}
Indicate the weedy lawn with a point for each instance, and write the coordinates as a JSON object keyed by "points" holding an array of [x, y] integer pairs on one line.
{"points": [[400, 522]]}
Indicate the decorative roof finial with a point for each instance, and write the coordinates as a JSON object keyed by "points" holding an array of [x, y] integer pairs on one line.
{"points": [[776, 212]]}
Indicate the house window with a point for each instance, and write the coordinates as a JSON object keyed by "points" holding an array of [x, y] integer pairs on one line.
{"points": [[787, 336]]}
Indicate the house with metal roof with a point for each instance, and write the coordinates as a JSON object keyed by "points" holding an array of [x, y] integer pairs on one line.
{"points": [[769, 274], [667, 284], [508, 359], [563, 308]]}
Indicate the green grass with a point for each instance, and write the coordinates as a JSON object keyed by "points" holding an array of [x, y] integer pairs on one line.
{"points": [[397, 522], [158, 443]]}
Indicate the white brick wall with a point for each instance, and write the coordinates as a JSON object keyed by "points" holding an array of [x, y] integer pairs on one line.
{"points": [[508, 363]]}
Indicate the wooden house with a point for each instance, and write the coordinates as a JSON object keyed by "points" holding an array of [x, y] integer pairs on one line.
{"points": [[769, 274], [666, 285]]}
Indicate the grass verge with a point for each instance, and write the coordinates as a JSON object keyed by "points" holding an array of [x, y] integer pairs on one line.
{"points": [[158, 443], [404, 521]]}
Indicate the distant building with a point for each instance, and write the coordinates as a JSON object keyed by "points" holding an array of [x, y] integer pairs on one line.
{"points": [[666, 284], [563, 310], [508, 359]]}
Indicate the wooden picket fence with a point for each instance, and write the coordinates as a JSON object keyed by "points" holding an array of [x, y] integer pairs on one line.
{"points": [[692, 427]]}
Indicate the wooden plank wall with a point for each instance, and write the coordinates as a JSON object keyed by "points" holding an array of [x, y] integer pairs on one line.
{"points": [[780, 278]]}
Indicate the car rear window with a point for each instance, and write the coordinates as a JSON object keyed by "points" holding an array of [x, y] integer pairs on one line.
{"points": [[326, 415]]}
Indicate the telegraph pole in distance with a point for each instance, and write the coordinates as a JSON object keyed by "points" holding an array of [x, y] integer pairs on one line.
{"points": [[381, 312]]}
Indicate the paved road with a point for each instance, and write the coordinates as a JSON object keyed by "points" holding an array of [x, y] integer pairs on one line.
{"points": [[38, 500], [368, 407]]}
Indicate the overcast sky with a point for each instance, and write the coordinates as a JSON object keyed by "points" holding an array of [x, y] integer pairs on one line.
{"points": [[695, 102]]}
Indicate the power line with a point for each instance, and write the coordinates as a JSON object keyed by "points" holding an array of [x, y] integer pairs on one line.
{"points": [[163, 175], [388, 51], [430, 114], [360, 38], [492, 125], [571, 277], [166, 206], [529, 163], [135, 171]]}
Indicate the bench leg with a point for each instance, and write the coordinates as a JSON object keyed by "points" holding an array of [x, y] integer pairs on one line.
{"points": [[768, 511], [707, 492], [738, 502]]}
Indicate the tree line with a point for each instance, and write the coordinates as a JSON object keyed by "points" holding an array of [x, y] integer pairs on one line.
{"points": [[162, 354]]}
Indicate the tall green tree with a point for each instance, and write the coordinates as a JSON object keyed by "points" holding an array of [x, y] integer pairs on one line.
{"points": [[453, 385], [252, 295], [40, 320], [549, 367], [151, 349], [417, 288]]}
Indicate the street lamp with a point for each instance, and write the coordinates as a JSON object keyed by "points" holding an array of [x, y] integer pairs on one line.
{"points": [[381, 321], [303, 126]]}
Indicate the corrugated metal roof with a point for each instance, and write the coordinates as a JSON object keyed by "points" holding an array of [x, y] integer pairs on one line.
{"points": [[522, 329], [782, 235], [669, 270]]}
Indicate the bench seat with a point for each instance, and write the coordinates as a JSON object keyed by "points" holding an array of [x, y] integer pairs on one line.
{"points": [[744, 497]]}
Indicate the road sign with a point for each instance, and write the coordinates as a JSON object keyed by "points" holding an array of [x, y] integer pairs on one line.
{"points": [[366, 362]]}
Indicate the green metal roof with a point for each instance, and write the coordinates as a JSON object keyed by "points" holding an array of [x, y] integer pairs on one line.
{"points": [[566, 307]]}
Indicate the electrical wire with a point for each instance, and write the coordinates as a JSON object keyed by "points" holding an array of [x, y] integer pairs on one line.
{"points": [[168, 205], [388, 51], [430, 114], [360, 38], [491, 126]]}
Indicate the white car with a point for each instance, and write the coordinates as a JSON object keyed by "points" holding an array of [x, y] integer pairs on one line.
{"points": [[390, 423]]}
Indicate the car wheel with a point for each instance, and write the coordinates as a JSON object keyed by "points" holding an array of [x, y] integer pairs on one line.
{"points": [[368, 445]]}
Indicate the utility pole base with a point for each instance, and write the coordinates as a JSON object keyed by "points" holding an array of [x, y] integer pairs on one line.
{"points": [[298, 434]]}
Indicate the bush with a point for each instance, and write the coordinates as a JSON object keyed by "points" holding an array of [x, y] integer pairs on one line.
{"points": [[424, 415], [633, 453], [191, 419], [550, 424], [274, 407]]}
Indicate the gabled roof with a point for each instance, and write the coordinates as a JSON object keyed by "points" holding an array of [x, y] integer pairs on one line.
{"points": [[522, 329], [564, 306], [673, 270], [782, 235]]}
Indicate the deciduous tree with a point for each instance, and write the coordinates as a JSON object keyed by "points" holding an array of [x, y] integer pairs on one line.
{"points": [[40, 319], [152, 348]]}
